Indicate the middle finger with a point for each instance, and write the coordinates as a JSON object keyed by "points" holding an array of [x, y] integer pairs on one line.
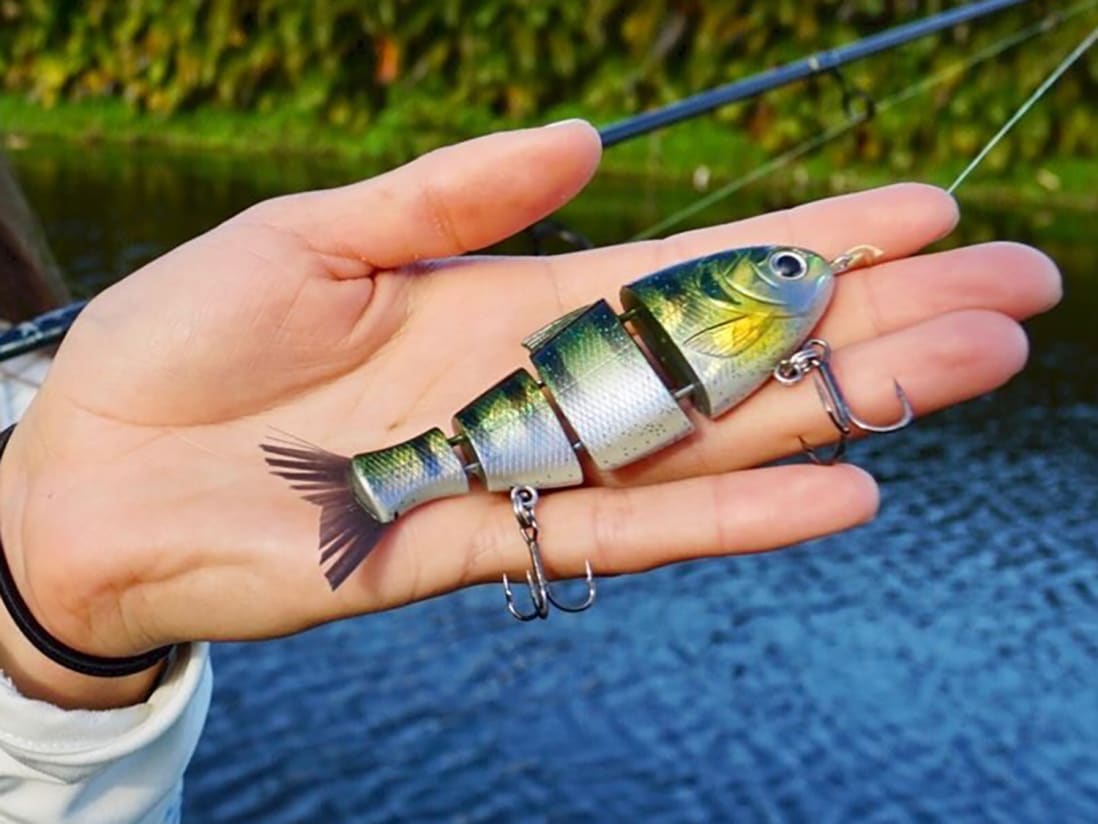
{"points": [[1011, 278]]}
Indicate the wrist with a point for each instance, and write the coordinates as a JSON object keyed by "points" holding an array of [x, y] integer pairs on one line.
{"points": [[34, 674]]}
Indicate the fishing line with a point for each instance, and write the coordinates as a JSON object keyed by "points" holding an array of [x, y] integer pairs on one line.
{"points": [[759, 172], [1043, 26], [1063, 66]]}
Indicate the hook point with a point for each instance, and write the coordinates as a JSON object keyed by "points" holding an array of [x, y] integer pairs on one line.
{"points": [[907, 414]]}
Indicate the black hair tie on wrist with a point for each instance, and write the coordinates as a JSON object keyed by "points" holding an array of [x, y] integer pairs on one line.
{"points": [[56, 650]]}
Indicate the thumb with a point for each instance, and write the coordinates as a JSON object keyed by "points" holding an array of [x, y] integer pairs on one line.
{"points": [[448, 202]]}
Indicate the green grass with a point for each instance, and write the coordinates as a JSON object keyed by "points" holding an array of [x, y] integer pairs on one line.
{"points": [[687, 153], [209, 129]]}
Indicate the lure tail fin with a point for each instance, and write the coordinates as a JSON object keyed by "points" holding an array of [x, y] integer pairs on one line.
{"points": [[347, 532]]}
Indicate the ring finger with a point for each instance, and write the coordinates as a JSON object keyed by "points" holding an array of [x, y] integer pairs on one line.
{"points": [[938, 362]]}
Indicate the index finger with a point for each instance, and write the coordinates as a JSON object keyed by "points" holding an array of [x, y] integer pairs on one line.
{"points": [[899, 219]]}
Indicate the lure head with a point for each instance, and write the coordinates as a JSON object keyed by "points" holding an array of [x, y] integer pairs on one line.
{"points": [[721, 323], [782, 281]]}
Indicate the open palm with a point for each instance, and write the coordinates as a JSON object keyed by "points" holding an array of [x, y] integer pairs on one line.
{"points": [[138, 509]]}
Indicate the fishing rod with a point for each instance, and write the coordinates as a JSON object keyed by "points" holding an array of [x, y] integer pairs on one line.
{"points": [[827, 61], [856, 118], [38, 332]]}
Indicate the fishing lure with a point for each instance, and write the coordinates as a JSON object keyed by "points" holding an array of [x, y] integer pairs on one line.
{"points": [[709, 331]]}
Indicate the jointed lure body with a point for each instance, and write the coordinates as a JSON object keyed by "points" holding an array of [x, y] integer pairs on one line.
{"points": [[710, 331]]}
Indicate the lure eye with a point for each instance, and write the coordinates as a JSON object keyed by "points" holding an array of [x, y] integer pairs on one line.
{"points": [[788, 265]]}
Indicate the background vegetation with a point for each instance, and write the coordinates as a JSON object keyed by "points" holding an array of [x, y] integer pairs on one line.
{"points": [[391, 78]]}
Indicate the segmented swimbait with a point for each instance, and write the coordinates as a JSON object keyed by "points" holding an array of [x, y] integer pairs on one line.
{"points": [[713, 330]]}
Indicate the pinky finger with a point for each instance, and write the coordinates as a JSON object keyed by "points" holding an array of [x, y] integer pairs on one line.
{"points": [[623, 530]]}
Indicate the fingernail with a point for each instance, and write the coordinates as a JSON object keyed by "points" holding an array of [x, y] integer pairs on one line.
{"points": [[565, 122]]}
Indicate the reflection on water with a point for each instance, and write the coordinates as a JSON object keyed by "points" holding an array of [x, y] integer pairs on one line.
{"points": [[938, 664]]}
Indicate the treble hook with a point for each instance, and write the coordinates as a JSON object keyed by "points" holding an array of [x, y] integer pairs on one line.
{"points": [[815, 358], [523, 501]]}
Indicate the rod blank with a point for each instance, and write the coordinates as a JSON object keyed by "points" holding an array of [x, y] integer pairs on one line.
{"points": [[802, 69]]}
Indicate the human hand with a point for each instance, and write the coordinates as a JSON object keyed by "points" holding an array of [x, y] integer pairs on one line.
{"points": [[135, 505]]}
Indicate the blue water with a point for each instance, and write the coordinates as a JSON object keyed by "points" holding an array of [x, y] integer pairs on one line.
{"points": [[940, 664]]}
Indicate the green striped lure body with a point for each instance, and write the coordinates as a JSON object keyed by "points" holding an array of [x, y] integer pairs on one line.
{"points": [[709, 331]]}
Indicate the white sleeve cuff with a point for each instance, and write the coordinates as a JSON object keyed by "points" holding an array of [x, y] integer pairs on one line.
{"points": [[98, 766]]}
